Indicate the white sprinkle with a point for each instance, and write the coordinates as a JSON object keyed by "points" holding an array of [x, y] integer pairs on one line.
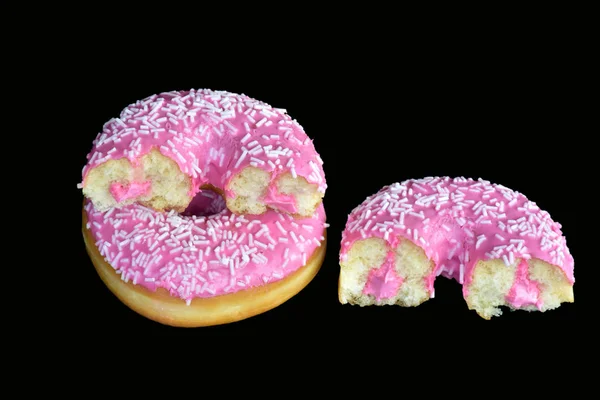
{"points": [[499, 237], [307, 227], [280, 227], [239, 161], [261, 122], [480, 239]]}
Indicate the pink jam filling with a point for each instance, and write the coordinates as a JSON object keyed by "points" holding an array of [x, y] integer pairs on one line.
{"points": [[524, 291], [383, 282], [122, 192], [280, 201]]}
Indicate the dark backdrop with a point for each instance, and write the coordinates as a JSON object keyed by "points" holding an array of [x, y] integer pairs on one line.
{"points": [[376, 117]]}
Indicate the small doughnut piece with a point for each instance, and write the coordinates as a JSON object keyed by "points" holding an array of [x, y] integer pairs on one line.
{"points": [[161, 150], [496, 243]]}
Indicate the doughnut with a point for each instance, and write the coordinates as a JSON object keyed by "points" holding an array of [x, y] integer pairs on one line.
{"points": [[203, 207], [161, 150], [202, 270], [501, 247]]}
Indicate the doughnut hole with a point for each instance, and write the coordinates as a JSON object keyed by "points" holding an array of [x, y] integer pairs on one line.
{"points": [[169, 188], [306, 194], [554, 285], [361, 258], [413, 266], [491, 282], [208, 201], [249, 186]]}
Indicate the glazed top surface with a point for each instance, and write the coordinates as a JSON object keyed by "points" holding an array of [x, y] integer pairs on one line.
{"points": [[203, 256]]}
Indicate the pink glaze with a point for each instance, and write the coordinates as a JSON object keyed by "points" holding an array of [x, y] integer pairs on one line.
{"points": [[524, 291], [459, 222], [212, 135], [122, 192], [204, 256], [284, 202], [383, 282]]}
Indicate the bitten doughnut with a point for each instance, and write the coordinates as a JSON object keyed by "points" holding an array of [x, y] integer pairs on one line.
{"points": [[161, 150], [499, 245], [203, 208]]}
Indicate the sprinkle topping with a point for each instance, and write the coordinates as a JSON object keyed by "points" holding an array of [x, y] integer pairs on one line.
{"points": [[204, 256]]}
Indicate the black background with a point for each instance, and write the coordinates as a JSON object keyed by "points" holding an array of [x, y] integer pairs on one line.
{"points": [[378, 113]]}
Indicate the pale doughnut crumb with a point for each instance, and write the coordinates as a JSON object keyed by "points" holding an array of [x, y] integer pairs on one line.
{"points": [[99, 179], [411, 264], [169, 189], [249, 186], [306, 194], [492, 281], [362, 256], [555, 286]]}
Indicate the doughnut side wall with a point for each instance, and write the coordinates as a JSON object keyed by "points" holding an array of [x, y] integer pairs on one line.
{"points": [[494, 241], [161, 150]]}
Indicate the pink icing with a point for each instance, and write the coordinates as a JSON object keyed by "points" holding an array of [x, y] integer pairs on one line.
{"points": [[202, 256], [122, 192], [383, 282], [524, 291], [459, 222], [284, 202], [212, 135]]}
